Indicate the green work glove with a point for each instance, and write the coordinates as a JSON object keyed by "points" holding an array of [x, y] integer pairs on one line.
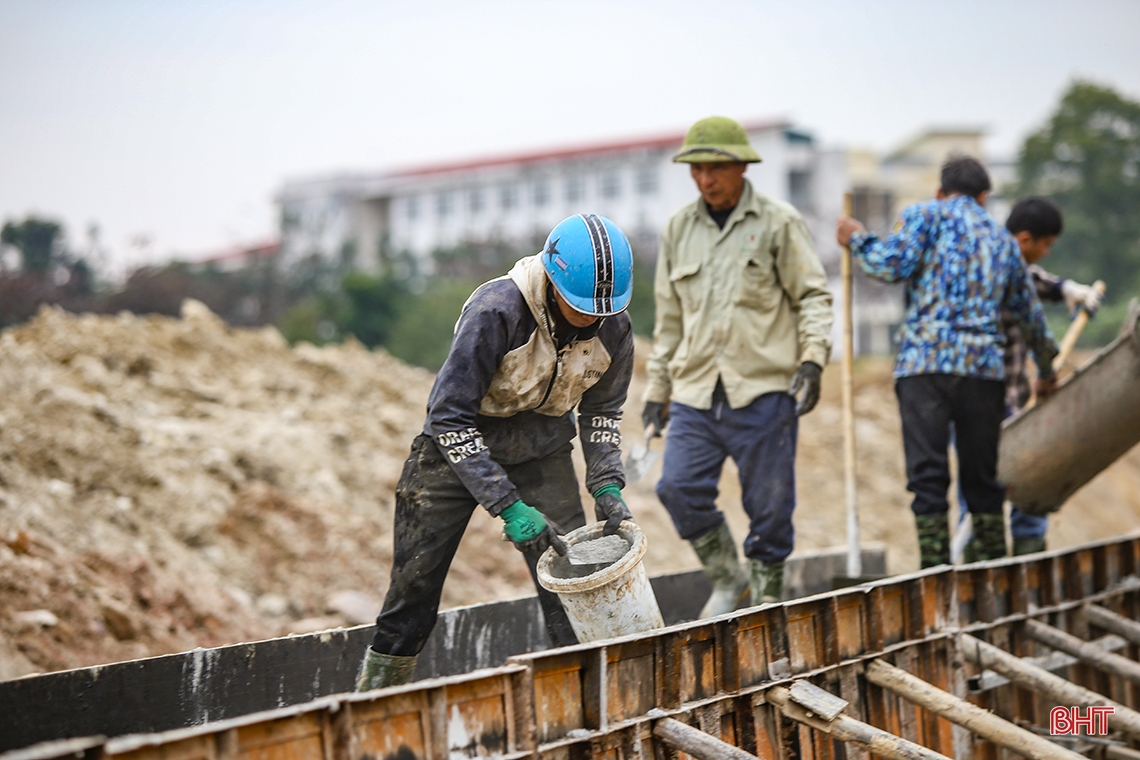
{"points": [[611, 507], [529, 530]]}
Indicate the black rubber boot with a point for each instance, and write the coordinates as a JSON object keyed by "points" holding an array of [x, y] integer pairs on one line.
{"points": [[933, 539]]}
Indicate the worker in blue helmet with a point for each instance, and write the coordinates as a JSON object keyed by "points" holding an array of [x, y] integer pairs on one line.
{"points": [[550, 336]]}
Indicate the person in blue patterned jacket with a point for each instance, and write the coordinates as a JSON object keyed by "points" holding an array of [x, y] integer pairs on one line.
{"points": [[961, 268]]}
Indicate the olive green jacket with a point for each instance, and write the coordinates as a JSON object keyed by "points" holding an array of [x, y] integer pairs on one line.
{"points": [[747, 303]]}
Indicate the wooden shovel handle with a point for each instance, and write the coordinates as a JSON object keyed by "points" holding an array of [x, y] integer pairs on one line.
{"points": [[1074, 331]]}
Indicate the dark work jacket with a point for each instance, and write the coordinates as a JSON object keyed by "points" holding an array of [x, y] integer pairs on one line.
{"points": [[507, 392]]}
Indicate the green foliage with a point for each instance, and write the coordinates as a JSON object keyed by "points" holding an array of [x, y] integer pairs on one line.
{"points": [[314, 320], [1087, 159], [422, 334], [374, 305], [642, 306], [36, 239]]}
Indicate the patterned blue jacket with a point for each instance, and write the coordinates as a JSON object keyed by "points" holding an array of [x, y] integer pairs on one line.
{"points": [[961, 268]]}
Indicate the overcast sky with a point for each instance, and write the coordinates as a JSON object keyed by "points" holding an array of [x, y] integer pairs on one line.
{"points": [[174, 122]]}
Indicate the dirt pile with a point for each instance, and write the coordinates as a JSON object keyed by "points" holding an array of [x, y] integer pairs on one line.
{"points": [[167, 484]]}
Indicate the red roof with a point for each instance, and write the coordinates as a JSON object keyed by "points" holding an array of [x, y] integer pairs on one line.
{"points": [[661, 141]]}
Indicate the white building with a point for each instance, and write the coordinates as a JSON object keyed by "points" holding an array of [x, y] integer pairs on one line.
{"points": [[360, 220]]}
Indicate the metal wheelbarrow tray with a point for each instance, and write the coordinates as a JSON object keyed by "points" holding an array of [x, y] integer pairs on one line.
{"points": [[1050, 450]]}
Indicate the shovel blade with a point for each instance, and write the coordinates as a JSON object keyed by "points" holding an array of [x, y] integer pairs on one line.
{"points": [[638, 463]]}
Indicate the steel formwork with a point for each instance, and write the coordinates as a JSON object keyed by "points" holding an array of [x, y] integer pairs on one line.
{"points": [[731, 677]]}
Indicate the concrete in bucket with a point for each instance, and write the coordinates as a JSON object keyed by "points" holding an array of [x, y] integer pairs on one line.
{"points": [[615, 600]]}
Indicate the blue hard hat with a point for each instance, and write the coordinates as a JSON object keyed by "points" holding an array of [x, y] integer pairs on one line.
{"points": [[590, 263]]}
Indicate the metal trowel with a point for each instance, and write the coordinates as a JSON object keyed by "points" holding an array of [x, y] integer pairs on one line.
{"points": [[641, 458]]}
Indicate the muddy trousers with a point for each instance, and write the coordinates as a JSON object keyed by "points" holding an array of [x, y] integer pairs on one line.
{"points": [[761, 439], [928, 404], [432, 511]]}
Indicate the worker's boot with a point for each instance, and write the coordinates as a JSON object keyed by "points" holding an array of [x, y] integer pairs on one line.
{"points": [[717, 551], [1029, 545], [989, 538], [933, 539], [380, 670], [767, 582]]}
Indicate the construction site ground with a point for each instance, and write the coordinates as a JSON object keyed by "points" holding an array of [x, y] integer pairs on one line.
{"points": [[167, 484]]}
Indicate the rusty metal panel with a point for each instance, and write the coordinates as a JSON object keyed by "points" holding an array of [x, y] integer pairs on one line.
{"points": [[750, 634], [1078, 578], [479, 717], [298, 737], [849, 626], [558, 693], [888, 621], [698, 664], [805, 639], [203, 747], [909, 718], [967, 603], [935, 669], [766, 730], [631, 679], [394, 725]]}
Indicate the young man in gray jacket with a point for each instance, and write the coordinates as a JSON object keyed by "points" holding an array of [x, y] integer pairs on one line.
{"points": [[529, 347]]}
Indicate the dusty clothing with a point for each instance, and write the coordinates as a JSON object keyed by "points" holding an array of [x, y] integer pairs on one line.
{"points": [[745, 304], [507, 391], [498, 430], [1048, 287], [432, 510]]}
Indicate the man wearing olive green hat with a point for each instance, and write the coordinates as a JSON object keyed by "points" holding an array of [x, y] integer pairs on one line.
{"points": [[743, 325]]}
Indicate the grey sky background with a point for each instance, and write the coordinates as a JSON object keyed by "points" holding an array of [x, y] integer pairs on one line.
{"points": [[172, 123]]}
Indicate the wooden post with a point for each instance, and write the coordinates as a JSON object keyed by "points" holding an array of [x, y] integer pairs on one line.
{"points": [[696, 742], [1113, 623], [1085, 651], [1042, 681], [981, 722], [854, 556], [849, 730]]}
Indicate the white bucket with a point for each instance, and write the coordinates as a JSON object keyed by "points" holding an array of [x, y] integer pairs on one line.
{"points": [[617, 600]]}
